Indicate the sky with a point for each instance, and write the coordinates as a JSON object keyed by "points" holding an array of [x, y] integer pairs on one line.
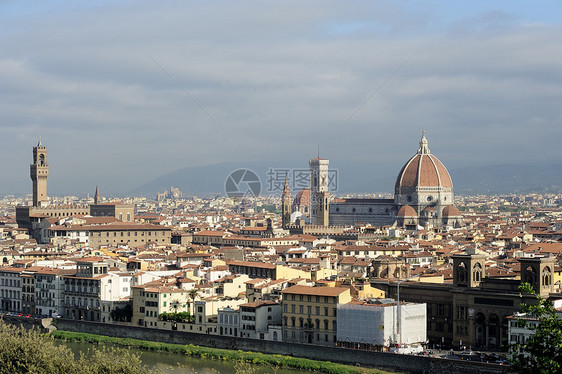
{"points": [[123, 92]]}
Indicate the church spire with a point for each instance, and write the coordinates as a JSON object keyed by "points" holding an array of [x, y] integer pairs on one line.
{"points": [[286, 189], [286, 206], [423, 145]]}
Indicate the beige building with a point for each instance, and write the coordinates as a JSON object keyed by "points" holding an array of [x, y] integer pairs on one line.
{"points": [[123, 212], [310, 313], [149, 301], [117, 234]]}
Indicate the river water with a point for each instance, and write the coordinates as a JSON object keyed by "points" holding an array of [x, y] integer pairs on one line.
{"points": [[173, 363]]}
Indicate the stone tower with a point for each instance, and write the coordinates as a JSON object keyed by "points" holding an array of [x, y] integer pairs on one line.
{"points": [[539, 273], [286, 205], [97, 196], [469, 269], [319, 193], [39, 171]]}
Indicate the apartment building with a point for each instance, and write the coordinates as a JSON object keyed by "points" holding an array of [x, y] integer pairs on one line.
{"points": [[150, 300], [310, 313], [10, 289]]}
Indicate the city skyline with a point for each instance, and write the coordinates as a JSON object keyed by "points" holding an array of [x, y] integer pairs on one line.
{"points": [[121, 94]]}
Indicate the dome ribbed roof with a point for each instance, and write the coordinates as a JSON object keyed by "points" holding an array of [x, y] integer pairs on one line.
{"points": [[451, 211], [407, 211], [424, 170], [302, 198]]}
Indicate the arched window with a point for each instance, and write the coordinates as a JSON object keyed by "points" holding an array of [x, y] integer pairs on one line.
{"points": [[461, 272], [477, 272], [531, 276], [546, 277]]}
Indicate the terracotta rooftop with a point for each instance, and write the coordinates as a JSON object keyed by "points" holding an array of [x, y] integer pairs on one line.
{"points": [[315, 291]]}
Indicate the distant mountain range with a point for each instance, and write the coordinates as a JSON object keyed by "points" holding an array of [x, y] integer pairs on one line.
{"points": [[501, 179], [361, 177]]}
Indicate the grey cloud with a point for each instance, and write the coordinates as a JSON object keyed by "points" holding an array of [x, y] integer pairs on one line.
{"points": [[279, 79]]}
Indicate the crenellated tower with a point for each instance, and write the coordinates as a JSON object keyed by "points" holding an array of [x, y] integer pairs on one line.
{"points": [[39, 171]]}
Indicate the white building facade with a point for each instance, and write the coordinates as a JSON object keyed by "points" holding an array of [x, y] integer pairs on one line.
{"points": [[382, 325]]}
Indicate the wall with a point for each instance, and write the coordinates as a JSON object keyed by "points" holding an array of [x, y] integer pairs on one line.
{"points": [[44, 325], [404, 363]]}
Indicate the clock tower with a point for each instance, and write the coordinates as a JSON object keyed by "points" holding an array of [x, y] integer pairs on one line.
{"points": [[39, 171]]}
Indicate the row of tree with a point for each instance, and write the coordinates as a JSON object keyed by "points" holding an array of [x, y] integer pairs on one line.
{"points": [[176, 317]]}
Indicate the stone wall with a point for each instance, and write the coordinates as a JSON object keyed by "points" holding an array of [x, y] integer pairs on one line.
{"points": [[393, 362], [44, 325]]}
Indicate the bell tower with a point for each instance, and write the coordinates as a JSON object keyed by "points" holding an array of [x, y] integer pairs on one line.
{"points": [[286, 205], [319, 192], [469, 269], [39, 171], [538, 272]]}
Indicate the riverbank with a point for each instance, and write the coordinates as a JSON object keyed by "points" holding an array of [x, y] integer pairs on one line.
{"points": [[274, 361]]}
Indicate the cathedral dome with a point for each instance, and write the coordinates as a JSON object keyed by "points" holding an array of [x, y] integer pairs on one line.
{"points": [[407, 211], [424, 170], [302, 198], [451, 211]]}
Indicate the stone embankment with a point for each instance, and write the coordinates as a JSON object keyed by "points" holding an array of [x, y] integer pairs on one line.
{"points": [[382, 360]]}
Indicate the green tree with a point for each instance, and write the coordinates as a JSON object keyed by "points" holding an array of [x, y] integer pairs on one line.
{"points": [[124, 314], [542, 352], [193, 293], [29, 351]]}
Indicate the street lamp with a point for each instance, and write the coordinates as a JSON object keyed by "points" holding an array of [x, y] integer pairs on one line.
{"points": [[398, 309]]}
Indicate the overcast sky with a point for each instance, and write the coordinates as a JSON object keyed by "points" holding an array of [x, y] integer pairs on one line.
{"points": [[123, 92]]}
